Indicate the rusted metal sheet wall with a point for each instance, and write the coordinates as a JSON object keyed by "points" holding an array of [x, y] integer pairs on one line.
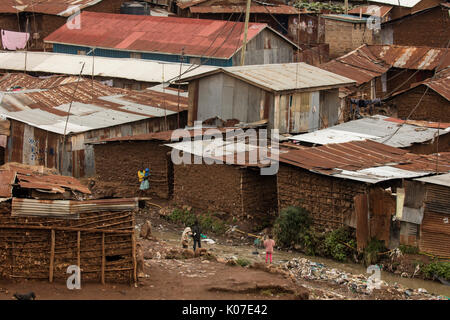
{"points": [[435, 228], [310, 29], [382, 206], [297, 112]]}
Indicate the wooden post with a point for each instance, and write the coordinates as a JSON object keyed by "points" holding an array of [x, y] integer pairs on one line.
{"points": [[244, 45], [52, 255], [103, 258], [346, 6], [79, 249], [133, 241]]}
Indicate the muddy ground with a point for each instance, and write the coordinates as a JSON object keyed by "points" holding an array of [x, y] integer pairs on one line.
{"points": [[168, 274]]}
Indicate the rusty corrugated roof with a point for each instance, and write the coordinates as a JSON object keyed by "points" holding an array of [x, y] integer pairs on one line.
{"points": [[254, 8], [28, 177], [52, 7], [370, 61], [365, 161], [94, 106], [25, 81], [163, 135], [440, 84], [167, 35], [369, 10]]}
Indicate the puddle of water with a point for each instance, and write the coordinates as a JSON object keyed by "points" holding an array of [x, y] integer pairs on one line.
{"points": [[279, 257]]}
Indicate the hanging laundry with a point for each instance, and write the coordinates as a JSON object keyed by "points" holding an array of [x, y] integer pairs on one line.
{"points": [[12, 40]]}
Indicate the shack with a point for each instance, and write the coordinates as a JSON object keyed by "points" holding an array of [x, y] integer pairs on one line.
{"points": [[234, 189], [40, 237], [352, 184], [41, 131], [198, 41], [435, 213], [293, 97]]}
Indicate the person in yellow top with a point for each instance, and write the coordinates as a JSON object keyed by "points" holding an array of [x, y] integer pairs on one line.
{"points": [[143, 179]]}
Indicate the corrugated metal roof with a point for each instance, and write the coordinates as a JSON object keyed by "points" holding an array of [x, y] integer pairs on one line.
{"points": [[28, 178], [369, 10], [345, 18], [442, 179], [399, 3], [134, 69], [25, 81], [53, 7], [356, 160], [282, 77], [69, 208], [166, 35], [370, 61], [224, 8], [440, 85], [94, 106], [163, 135], [377, 128]]}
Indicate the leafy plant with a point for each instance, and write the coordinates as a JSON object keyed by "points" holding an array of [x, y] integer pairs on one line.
{"points": [[373, 250], [243, 262], [207, 221], [437, 269], [340, 244], [291, 226], [408, 249]]}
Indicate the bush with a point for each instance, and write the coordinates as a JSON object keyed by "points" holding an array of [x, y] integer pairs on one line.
{"points": [[373, 250], [408, 249], [340, 244], [437, 269], [207, 222], [243, 262], [291, 226]]}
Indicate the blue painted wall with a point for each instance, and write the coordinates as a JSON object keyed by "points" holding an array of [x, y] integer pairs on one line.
{"points": [[70, 49]]}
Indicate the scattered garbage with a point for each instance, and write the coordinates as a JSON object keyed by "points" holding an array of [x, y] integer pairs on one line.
{"points": [[302, 268]]}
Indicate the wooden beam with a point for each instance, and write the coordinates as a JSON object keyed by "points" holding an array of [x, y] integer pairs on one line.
{"points": [[133, 241], [103, 259], [52, 256], [79, 249], [244, 45]]}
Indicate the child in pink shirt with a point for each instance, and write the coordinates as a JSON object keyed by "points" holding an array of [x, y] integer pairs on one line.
{"points": [[269, 244]]}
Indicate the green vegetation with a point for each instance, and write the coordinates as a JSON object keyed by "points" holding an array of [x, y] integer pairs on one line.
{"points": [[373, 250], [408, 249], [207, 222], [291, 226], [243, 262], [437, 269], [319, 6], [340, 244]]}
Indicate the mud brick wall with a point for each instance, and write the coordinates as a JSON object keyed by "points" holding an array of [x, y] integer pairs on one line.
{"points": [[259, 195], [344, 37], [8, 22], [431, 29], [433, 106], [329, 200], [117, 164], [213, 188], [25, 253]]}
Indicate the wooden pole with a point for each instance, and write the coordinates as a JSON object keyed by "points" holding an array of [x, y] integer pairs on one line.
{"points": [[244, 45], [103, 258], [52, 255], [79, 249], [346, 6], [133, 253]]}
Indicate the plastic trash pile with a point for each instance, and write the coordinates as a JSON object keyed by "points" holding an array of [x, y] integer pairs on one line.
{"points": [[308, 270]]}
